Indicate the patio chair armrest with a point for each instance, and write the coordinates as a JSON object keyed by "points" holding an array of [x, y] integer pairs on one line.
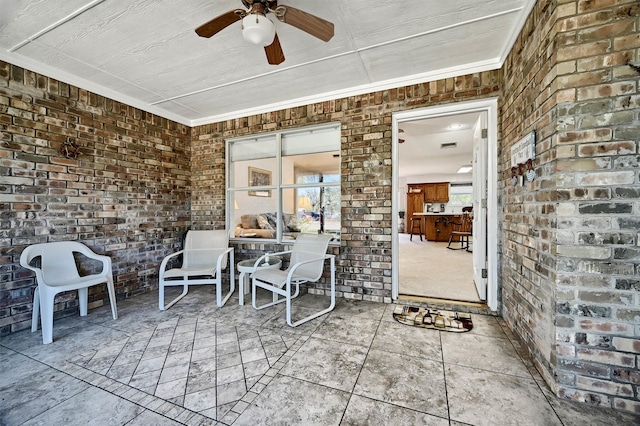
{"points": [[163, 265], [221, 256], [261, 258], [297, 265]]}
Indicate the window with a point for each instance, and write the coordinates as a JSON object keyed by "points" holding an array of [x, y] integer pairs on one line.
{"points": [[284, 183], [461, 194]]}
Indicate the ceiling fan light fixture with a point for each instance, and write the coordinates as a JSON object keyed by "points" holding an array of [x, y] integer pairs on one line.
{"points": [[258, 29]]}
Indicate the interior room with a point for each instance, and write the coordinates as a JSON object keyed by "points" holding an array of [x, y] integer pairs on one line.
{"points": [[200, 212], [436, 179]]}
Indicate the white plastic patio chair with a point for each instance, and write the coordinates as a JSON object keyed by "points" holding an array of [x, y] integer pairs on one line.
{"points": [[306, 264], [205, 256], [58, 272]]}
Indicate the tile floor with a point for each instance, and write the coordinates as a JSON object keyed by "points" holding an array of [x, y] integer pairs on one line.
{"points": [[196, 364]]}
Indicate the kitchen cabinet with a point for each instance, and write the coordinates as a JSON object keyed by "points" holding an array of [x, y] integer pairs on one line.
{"points": [[415, 202], [438, 227], [436, 192]]}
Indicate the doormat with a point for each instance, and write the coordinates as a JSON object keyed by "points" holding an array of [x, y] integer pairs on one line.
{"points": [[436, 319]]}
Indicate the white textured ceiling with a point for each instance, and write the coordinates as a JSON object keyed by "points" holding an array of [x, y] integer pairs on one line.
{"points": [[146, 53]]}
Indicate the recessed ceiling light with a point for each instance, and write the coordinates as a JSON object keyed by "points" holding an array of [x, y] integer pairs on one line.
{"points": [[455, 126], [464, 169]]}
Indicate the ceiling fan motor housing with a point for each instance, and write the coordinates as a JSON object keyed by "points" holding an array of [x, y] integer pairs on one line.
{"points": [[268, 4]]}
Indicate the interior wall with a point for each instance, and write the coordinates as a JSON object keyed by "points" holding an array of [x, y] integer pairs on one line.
{"points": [[570, 271]]}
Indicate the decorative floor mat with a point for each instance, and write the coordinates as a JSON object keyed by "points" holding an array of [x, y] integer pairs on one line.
{"points": [[436, 319]]}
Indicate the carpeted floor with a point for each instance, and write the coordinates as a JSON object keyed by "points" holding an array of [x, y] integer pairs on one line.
{"points": [[429, 269]]}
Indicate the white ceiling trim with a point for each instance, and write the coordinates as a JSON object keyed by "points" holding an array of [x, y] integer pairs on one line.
{"points": [[56, 24], [82, 83], [515, 34], [354, 91]]}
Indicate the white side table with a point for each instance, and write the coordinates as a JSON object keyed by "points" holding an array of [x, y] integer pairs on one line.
{"points": [[246, 268]]}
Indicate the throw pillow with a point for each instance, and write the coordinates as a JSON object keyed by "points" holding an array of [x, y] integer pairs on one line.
{"points": [[291, 222], [249, 221], [263, 223], [272, 218]]}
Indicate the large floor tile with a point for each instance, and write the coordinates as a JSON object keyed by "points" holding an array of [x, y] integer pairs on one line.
{"points": [[408, 340], [481, 397], [328, 363], [92, 407], [365, 411], [488, 353], [410, 382], [358, 309], [359, 332], [29, 388], [487, 325], [289, 401], [147, 418]]}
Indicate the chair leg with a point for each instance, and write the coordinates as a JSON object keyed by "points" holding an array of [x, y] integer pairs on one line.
{"points": [[163, 307], [324, 311], [232, 286], [414, 222], [83, 296], [112, 297], [46, 308], [35, 315], [255, 283]]}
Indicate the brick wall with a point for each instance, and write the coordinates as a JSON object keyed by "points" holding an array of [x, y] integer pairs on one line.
{"points": [[127, 195], [571, 286], [364, 258]]}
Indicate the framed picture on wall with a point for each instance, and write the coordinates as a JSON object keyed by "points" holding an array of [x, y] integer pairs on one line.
{"points": [[259, 177]]}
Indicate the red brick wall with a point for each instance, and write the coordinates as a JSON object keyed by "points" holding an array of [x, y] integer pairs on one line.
{"points": [[127, 195], [571, 286]]}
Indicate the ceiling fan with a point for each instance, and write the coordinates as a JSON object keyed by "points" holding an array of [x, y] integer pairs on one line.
{"points": [[259, 29]]}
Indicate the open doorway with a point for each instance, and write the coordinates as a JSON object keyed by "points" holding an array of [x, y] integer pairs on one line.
{"points": [[441, 175]]}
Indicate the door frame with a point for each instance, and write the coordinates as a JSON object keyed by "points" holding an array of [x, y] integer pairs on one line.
{"points": [[490, 106]]}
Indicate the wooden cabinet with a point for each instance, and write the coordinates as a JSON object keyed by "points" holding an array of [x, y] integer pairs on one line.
{"points": [[438, 227], [436, 192], [420, 193], [430, 195], [415, 203], [442, 192]]}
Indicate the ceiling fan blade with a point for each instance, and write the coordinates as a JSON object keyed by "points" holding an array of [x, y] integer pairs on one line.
{"points": [[219, 23], [274, 52], [306, 22]]}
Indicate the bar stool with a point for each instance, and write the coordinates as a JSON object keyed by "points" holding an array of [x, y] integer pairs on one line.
{"points": [[415, 223]]}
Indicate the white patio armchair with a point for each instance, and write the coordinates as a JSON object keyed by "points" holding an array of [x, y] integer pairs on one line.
{"points": [[306, 264], [205, 255], [58, 272]]}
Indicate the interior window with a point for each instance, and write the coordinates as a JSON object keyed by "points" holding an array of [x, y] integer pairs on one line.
{"points": [[284, 183], [461, 194]]}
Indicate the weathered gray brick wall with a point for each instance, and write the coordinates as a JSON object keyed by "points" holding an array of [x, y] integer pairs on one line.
{"points": [[364, 258], [127, 195], [571, 275]]}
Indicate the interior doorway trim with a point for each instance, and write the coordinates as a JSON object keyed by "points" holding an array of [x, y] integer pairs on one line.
{"points": [[490, 106]]}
